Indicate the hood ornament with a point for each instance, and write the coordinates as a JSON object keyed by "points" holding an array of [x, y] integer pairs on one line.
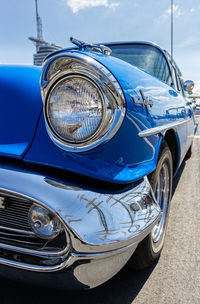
{"points": [[97, 48]]}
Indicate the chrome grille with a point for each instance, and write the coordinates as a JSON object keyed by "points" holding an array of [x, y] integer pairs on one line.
{"points": [[18, 243], [14, 213], [14, 225]]}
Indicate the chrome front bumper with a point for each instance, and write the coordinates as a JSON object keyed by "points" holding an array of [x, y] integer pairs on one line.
{"points": [[103, 228]]}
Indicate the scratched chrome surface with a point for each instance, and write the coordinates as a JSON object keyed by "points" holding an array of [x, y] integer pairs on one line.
{"points": [[98, 219], [104, 227]]}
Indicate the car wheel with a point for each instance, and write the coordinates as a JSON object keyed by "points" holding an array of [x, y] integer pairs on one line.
{"points": [[149, 250]]}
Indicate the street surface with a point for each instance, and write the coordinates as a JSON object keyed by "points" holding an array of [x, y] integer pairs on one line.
{"points": [[176, 277]]}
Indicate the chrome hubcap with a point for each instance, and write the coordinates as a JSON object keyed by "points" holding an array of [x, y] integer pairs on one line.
{"points": [[162, 196]]}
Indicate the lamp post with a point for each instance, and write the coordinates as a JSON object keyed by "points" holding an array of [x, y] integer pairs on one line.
{"points": [[172, 29]]}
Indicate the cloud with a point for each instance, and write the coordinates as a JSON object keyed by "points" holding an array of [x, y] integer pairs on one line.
{"points": [[167, 13], [176, 10], [77, 5], [191, 41]]}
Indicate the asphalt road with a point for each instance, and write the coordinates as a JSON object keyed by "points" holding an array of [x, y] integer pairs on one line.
{"points": [[174, 279]]}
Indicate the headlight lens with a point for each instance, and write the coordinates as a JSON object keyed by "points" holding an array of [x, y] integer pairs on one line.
{"points": [[43, 223], [74, 109], [84, 105]]}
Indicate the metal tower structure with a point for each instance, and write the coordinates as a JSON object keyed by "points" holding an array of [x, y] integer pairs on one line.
{"points": [[43, 48], [39, 26]]}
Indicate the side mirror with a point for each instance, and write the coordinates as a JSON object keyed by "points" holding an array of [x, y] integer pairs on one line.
{"points": [[189, 86]]}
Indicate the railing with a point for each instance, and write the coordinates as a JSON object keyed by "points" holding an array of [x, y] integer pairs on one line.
{"points": [[195, 98]]}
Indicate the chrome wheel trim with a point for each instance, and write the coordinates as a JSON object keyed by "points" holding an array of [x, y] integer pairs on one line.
{"points": [[162, 191]]}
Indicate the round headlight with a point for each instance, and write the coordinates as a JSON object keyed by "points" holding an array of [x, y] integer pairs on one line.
{"points": [[44, 223], [84, 105], [74, 109]]}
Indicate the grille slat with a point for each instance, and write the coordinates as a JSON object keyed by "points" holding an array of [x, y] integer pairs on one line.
{"points": [[13, 224], [14, 240], [15, 213], [14, 220], [20, 207]]}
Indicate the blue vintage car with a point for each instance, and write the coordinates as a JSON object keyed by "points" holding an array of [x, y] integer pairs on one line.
{"points": [[87, 169]]}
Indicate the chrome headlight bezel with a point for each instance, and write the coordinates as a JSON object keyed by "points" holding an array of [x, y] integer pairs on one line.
{"points": [[79, 65]]}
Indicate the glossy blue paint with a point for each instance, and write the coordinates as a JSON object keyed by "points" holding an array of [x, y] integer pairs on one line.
{"points": [[21, 105], [100, 163], [126, 157], [13, 149]]}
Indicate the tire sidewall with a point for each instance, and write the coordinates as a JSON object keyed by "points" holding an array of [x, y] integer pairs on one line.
{"points": [[164, 157]]}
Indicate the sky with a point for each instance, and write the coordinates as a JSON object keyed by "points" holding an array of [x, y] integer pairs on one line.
{"points": [[102, 21]]}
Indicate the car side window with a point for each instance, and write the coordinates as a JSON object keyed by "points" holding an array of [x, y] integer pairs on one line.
{"points": [[180, 85], [174, 79], [177, 81], [161, 69]]}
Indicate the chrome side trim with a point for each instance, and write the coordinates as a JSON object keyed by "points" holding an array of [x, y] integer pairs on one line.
{"points": [[75, 63], [161, 129]]}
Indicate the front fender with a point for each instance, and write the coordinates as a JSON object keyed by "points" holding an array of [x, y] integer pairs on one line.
{"points": [[21, 106], [124, 158], [127, 156]]}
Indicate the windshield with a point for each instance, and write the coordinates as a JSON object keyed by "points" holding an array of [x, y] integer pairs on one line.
{"points": [[145, 57]]}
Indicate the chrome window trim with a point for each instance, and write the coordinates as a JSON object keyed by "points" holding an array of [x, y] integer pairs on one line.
{"points": [[161, 129], [83, 65]]}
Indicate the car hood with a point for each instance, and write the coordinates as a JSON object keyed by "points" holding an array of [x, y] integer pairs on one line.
{"points": [[21, 106]]}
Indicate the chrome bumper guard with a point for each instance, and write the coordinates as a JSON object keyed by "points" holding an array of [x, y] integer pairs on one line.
{"points": [[103, 228]]}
